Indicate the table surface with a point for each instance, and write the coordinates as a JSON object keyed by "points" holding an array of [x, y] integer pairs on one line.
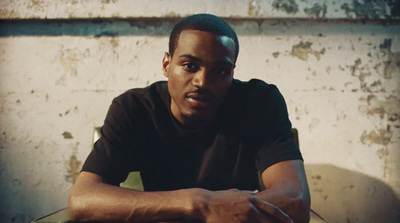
{"points": [[61, 216]]}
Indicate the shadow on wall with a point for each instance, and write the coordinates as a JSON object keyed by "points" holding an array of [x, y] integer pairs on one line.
{"points": [[341, 195]]}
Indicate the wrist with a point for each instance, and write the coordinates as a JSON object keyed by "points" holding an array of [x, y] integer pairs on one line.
{"points": [[198, 203]]}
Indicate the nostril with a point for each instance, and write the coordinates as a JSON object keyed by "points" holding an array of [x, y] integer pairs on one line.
{"points": [[200, 80]]}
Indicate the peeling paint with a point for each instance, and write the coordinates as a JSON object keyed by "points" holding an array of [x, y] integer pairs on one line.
{"points": [[108, 1], [114, 42], [36, 5], [302, 50], [387, 43], [367, 9], [380, 137], [288, 6], [390, 107], [69, 59], [171, 14], [67, 135], [341, 117], [9, 13], [73, 166], [383, 153], [253, 8], [392, 65], [316, 11], [314, 124], [348, 187], [317, 177], [328, 69], [75, 110], [301, 112], [362, 71], [73, 170]]}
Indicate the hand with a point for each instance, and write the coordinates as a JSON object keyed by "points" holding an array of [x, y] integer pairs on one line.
{"points": [[240, 206]]}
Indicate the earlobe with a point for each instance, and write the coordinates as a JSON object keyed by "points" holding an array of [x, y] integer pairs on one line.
{"points": [[165, 63]]}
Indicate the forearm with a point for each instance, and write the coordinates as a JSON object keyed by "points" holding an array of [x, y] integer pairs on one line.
{"points": [[92, 200], [96, 201], [287, 188]]}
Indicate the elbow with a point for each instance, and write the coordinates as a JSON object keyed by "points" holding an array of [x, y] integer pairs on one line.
{"points": [[82, 199], [73, 209], [76, 209], [73, 214], [300, 211]]}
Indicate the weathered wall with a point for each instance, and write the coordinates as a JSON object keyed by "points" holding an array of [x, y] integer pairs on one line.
{"points": [[336, 62], [378, 9]]}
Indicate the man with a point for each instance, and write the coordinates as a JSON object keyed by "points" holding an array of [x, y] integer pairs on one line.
{"points": [[199, 141]]}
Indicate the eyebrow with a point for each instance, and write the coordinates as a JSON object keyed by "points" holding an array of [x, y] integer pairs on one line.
{"points": [[190, 57], [227, 62]]}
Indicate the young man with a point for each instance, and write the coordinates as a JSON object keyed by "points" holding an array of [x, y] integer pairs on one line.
{"points": [[199, 141]]}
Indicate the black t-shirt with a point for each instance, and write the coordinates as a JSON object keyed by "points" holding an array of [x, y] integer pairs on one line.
{"points": [[250, 132]]}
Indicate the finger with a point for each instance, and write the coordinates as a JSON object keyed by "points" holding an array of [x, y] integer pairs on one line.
{"points": [[250, 191], [271, 210], [235, 189], [244, 191]]}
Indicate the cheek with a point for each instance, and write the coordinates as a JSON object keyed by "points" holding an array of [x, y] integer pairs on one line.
{"points": [[179, 78], [224, 85], [222, 89], [176, 86]]}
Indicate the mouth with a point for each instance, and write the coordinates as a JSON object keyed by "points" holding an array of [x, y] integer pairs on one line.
{"points": [[199, 101]]}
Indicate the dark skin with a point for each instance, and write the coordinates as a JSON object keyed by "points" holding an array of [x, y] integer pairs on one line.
{"points": [[199, 76]]}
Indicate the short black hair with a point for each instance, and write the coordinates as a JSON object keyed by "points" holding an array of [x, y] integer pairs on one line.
{"points": [[202, 22]]}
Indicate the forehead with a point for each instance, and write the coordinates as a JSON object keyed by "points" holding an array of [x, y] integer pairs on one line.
{"points": [[203, 42]]}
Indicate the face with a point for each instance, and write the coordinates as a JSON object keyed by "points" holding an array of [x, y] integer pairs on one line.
{"points": [[199, 76]]}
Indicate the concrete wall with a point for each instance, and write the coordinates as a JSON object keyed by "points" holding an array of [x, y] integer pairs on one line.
{"points": [[336, 62]]}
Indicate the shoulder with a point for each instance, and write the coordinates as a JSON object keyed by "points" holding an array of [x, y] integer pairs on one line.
{"points": [[253, 90], [147, 96], [137, 104], [253, 86], [257, 101], [149, 91]]}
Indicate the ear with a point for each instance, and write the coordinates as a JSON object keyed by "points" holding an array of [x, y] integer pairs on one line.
{"points": [[165, 63]]}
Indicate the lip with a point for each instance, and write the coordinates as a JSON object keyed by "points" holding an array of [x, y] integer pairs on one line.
{"points": [[199, 101]]}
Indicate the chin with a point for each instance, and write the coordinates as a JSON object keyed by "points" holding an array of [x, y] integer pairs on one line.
{"points": [[196, 118], [193, 118]]}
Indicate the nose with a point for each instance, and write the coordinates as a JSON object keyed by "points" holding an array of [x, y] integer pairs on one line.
{"points": [[201, 79]]}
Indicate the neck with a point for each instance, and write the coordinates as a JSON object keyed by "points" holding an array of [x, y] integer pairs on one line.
{"points": [[193, 123]]}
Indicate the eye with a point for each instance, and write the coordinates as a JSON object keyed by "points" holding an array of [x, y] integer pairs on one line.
{"points": [[222, 71], [190, 67]]}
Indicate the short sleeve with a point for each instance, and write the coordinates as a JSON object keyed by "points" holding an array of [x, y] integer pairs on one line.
{"points": [[113, 155], [273, 136]]}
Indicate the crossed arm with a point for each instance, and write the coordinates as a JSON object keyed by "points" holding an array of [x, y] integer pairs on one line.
{"points": [[285, 199]]}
